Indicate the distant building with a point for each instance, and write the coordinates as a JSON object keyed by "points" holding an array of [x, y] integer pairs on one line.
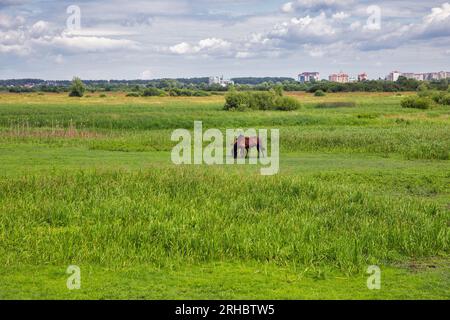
{"points": [[220, 81], [308, 77], [393, 76], [362, 77], [407, 75], [340, 77]]}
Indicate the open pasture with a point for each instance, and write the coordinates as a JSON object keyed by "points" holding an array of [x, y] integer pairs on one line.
{"points": [[89, 182]]}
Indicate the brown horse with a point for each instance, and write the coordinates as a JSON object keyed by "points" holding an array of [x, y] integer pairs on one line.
{"points": [[246, 143]]}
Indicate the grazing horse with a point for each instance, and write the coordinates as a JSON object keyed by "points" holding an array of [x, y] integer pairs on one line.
{"points": [[246, 143]]}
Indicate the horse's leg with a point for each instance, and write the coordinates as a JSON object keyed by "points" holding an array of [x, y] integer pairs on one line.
{"points": [[258, 149], [235, 151], [246, 152]]}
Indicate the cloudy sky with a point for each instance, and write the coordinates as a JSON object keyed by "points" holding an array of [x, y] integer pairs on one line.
{"points": [[135, 39]]}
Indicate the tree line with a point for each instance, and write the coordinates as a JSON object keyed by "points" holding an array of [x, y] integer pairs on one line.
{"points": [[201, 84]]}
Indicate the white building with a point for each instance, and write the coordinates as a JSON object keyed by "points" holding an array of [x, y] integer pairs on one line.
{"points": [[220, 81], [393, 76], [308, 77]]}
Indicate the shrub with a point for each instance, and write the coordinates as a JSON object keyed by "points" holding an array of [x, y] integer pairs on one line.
{"points": [[423, 87], [424, 93], [102, 95], [416, 102], [77, 88], [153, 92], [445, 100], [278, 90], [260, 101], [201, 93], [319, 93], [236, 100], [176, 92], [287, 104], [437, 96]]}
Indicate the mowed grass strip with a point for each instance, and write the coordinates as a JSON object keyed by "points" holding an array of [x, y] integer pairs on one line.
{"points": [[180, 215]]}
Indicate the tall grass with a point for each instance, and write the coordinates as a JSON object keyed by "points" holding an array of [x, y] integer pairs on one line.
{"points": [[410, 141], [183, 215]]}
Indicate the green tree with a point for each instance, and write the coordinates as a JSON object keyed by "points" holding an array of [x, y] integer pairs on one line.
{"points": [[77, 88], [278, 89], [422, 87]]}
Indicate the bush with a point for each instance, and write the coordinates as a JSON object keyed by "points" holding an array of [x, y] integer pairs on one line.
{"points": [[416, 102], [445, 100], [319, 93], [236, 100], [436, 96], [260, 101], [177, 92], [423, 87], [102, 95], [77, 88], [153, 92], [287, 104]]}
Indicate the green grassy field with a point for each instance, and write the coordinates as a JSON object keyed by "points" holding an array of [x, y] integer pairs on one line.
{"points": [[89, 182]]}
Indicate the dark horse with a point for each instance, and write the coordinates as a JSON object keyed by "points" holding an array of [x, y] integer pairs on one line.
{"points": [[246, 143]]}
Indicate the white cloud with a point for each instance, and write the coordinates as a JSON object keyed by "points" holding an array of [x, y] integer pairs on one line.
{"points": [[8, 22], [438, 14], [315, 5], [434, 25], [303, 30], [182, 48], [213, 44], [15, 48], [205, 46], [86, 44], [146, 75], [340, 15], [39, 29], [288, 7]]}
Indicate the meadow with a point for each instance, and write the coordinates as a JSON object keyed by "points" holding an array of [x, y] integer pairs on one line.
{"points": [[89, 182]]}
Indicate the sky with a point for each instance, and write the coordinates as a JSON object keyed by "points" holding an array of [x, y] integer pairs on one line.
{"points": [[137, 39]]}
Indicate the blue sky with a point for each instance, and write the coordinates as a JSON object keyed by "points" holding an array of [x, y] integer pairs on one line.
{"points": [[179, 38]]}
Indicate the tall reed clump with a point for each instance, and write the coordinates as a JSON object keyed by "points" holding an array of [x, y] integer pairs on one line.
{"points": [[197, 215], [416, 102]]}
